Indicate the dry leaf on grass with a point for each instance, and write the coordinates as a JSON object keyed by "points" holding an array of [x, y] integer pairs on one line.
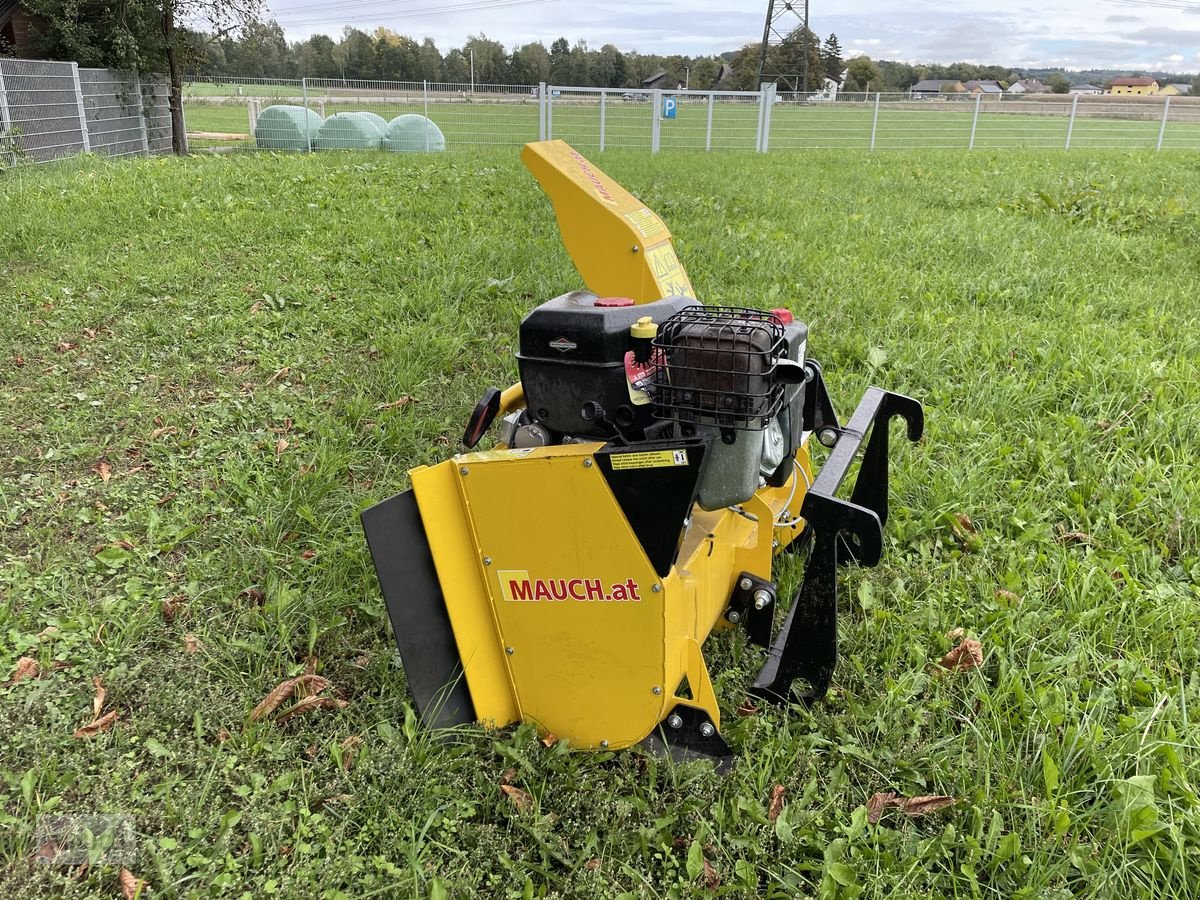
{"points": [[104, 723], [965, 656], [254, 593], [592, 864], [18, 360], [1073, 537], [312, 684], [162, 432], [280, 446], [104, 469], [98, 700], [173, 607], [955, 634], [1008, 598], [27, 667], [274, 699], [776, 805], [223, 735], [308, 554], [310, 703], [191, 644], [349, 750], [910, 806], [396, 404], [132, 887], [310, 665], [46, 851], [522, 800], [508, 776], [550, 739], [712, 880], [748, 708]]}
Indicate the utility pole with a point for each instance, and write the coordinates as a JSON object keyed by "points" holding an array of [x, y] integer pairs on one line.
{"points": [[687, 77], [472, 52]]}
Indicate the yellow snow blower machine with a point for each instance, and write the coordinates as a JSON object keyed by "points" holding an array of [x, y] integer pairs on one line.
{"points": [[649, 466]]}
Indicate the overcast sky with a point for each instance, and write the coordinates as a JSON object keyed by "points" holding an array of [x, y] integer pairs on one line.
{"points": [[1075, 34]]}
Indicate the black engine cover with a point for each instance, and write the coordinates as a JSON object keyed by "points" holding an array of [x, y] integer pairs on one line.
{"points": [[573, 354]]}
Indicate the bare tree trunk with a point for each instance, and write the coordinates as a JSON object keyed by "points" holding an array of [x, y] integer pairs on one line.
{"points": [[175, 101]]}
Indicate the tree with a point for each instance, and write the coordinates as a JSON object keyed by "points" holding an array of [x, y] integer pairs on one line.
{"points": [[140, 35], [705, 72], [1058, 83], [431, 61], [831, 58], [1195, 92], [560, 61], [530, 63], [863, 75], [608, 70]]}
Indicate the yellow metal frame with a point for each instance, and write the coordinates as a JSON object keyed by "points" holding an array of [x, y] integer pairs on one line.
{"points": [[552, 650]]}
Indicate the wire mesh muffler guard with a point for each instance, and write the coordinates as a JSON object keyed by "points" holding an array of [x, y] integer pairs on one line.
{"points": [[717, 367]]}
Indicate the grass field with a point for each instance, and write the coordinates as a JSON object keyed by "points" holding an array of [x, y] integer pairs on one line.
{"points": [[793, 126], [200, 373]]}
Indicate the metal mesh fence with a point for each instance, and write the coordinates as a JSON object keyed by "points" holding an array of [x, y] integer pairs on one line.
{"points": [[225, 113], [49, 110], [41, 113]]}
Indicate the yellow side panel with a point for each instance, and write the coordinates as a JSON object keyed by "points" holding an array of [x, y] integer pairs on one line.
{"points": [[452, 545], [573, 595], [620, 247]]}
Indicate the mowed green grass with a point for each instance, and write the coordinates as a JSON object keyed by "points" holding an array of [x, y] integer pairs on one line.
{"points": [[199, 375], [627, 125]]}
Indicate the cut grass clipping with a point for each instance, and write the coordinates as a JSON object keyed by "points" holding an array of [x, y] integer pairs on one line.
{"points": [[208, 367]]}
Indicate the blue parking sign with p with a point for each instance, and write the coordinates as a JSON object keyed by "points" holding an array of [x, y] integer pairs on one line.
{"points": [[669, 107]]}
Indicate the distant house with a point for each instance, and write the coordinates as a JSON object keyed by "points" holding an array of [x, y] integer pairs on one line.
{"points": [[1028, 86], [933, 87], [1175, 89], [16, 34], [659, 79], [1141, 85], [989, 90], [724, 80], [1086, 89]]}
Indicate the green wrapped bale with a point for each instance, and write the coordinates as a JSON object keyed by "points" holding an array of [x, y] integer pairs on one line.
{"points": [[286, 128], [412, 133], [352, 131]]}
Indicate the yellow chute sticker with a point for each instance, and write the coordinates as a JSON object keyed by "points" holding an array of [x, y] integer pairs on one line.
{"points": [[668, 272]]}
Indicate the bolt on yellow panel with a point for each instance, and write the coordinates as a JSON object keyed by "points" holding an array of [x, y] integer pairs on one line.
{"points": [[620, 247]]}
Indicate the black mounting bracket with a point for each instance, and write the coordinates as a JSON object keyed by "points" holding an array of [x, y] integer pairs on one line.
{"points": [[806, 646], [746, 609], [688, 733]]}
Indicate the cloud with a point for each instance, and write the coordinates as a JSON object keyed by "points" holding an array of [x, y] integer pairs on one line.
{"points": [[1117, 20]]}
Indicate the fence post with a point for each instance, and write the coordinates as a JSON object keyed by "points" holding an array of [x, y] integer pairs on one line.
{"points": [[1071, 121], [762, 100], [83, 128], [766, 131], [5, 121], [1162, 128], [975, 120], [603, 95], [304, 93], [708, 130], [875, 121], [550, 113], [141, 111], [655, 119], [541, 89]]}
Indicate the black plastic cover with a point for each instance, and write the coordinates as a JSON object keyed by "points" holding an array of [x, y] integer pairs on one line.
{"points": [[572, 354]]}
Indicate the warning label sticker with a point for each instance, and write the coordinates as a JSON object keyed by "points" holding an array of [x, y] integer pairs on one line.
{"points": [[649, 459], [646, 222], [667, 271]]}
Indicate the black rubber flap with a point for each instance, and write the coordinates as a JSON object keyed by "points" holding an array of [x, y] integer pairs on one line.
{"points": [[417, 610], [654, 483]]}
